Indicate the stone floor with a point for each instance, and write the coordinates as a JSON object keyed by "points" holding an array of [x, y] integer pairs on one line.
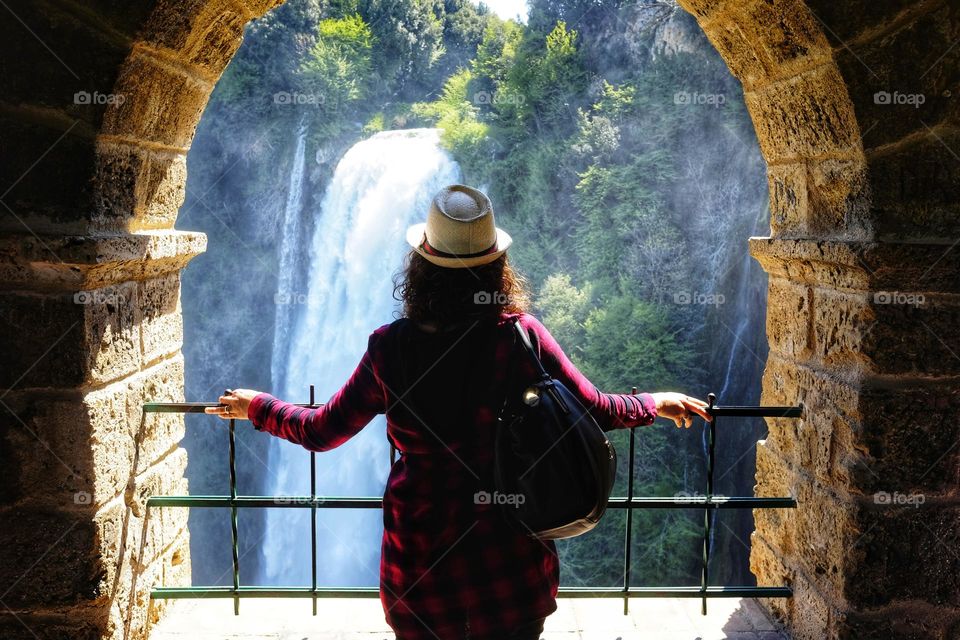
{"points": [[362, 619]]}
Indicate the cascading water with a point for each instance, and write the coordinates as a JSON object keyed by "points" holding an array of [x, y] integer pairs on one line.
{"points": [[289, 262], [380, 187], [737, 384]]}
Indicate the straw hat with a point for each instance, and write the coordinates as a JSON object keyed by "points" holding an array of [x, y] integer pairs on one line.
{"points": [[459, 231]]}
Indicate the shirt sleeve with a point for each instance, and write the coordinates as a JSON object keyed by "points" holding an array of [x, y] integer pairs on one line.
{"points": [[611, 410], [328, 426]]}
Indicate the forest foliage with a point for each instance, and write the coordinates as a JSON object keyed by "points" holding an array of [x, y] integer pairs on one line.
{"points": [[587, 159]]}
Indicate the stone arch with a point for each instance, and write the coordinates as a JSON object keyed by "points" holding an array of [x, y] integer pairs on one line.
{"points": [[863, 203]]}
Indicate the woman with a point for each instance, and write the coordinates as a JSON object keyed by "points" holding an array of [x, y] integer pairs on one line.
{"points": [[451, 568]]}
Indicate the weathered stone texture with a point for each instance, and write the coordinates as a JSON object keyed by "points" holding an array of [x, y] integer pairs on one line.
{"points": [[202, 33], [138, 188], [164, 107]]}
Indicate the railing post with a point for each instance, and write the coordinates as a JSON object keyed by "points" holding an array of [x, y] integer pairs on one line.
{"points": [[711, 433], [233, 517], [313, 514], [629, 528]]}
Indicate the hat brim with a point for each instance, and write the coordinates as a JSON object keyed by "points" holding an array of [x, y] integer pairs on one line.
{"points": [[415, 235]]}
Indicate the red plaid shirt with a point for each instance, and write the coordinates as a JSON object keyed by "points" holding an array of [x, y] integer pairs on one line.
{"points": [[450, 567]]}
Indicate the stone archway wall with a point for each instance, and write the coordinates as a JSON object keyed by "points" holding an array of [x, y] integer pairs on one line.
{"points": [[864, 199], [863, 191]]}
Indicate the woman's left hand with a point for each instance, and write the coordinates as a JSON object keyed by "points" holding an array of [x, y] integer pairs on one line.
{"points": [[233, 404]]}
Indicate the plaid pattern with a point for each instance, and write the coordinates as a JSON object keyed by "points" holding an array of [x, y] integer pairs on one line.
{"points": [[451, 567]]}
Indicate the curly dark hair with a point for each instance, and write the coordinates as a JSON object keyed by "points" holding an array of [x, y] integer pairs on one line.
{"points": [[448, 296]]}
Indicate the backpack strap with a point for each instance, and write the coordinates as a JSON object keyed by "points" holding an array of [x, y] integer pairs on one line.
{"points": [[528, 347]]}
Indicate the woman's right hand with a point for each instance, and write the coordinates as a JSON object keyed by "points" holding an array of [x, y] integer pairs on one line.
{"points": [[679, 407]]}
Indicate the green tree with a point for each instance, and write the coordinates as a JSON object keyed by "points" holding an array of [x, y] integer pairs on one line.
{"points": [[338, 69]]}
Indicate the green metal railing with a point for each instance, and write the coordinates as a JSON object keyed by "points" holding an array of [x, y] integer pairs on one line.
{"points": [[708, 502]]}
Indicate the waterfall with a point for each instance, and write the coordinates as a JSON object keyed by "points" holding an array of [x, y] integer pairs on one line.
{"points": [[288, 260], [741, 371], [380, 187]]}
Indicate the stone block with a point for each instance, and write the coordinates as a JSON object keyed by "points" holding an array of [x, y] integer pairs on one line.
{"points": [[789, 309], [853, 19], [859, 265], [130, 533], [841, 322], [910, 437], [904, 620], [112, 333], [837, 198], [138, 188], [87, 262], [56, 56], [893, 99], [66, 340], [54, 173], [42, 341], [916, 189], [818, 536], [821, 442], [60, 456], [155, 434], [910, 552], [161, 321], [175, 573], [788, 199], [913, 333], [762, 40], [808, 613], [805, 116], [164, 107], [786, 38], [43, 625], [71, 450], [49, 557], [202, 33]]}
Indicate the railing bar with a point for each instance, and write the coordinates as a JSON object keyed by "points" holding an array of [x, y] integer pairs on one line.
{"points": [[743, 411], [564, 592], [313, 513], [192, 407], [700, 502], [233, 516], [373, 502], [758, 411]]}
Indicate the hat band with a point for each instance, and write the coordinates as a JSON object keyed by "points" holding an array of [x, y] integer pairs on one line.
{"points": [[443, 254]]}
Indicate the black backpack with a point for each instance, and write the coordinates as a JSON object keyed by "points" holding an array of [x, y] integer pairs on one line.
{"points": [[553, 467]]}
